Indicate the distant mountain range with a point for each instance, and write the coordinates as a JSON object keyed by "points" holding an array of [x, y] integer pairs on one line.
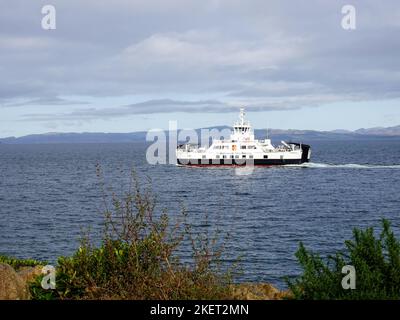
{"points": [[275, 134]]}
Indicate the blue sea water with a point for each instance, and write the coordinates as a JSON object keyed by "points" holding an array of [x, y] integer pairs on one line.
{"points": [[49, 193]]}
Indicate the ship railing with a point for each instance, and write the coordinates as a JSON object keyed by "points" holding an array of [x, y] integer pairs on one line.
{"points": [[191, 148]]}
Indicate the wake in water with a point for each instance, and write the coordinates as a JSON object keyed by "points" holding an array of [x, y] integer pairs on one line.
{"points": [[345, 166], [243, 170]]}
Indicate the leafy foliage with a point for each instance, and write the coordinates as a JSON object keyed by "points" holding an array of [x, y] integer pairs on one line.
{"points": [[19, 263], [376, 261], [137, 257]]}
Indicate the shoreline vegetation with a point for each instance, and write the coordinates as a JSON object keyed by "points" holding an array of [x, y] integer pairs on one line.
{"points": [[137, 259]]}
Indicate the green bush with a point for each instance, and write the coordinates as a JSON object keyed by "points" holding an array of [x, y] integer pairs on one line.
{"points": [[19, 263], [376, 262], [137, 258]]}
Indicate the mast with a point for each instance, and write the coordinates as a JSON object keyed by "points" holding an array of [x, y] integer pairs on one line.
{"points": [[241, 116]]}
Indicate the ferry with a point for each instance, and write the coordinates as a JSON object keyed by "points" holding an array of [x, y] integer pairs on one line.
{"points": [[243, 149]]}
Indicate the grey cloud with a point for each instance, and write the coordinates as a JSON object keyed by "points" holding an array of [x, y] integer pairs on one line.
{"points": [[162, 106], [145, 107], [169, 105], [46, 101], [269, 55]]}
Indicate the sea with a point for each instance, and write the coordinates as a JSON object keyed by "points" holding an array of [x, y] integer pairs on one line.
{"points": [[50, 195]]}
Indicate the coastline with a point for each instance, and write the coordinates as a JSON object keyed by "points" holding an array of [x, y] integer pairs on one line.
{"points": [[16, 284]]}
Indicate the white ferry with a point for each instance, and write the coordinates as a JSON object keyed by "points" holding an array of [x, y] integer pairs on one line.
{"points": [[243, 149]]}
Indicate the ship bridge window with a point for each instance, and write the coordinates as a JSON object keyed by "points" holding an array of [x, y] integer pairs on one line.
{"points": [[251, 147], [242, 129], [242, 147]]}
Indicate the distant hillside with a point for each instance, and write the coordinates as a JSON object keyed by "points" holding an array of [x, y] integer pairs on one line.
{"points": [[275, 134], [380, 131], [84, 137]]}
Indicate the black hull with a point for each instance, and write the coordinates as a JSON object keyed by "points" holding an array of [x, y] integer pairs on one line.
{"points": [[233, 162]]}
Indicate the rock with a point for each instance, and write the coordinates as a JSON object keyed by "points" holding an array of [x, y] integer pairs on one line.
{"points": [[28, 274], [12, 286], [257, 291]]}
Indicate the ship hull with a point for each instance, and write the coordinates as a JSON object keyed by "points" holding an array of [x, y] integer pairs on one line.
{"points": [[269, 161], [232, 162]]}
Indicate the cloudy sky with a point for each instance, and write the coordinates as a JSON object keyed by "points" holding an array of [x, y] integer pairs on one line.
{"points": [[130, 65]]}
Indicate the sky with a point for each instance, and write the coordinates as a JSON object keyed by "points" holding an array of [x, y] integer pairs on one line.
{"points": [[130, 65]]}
